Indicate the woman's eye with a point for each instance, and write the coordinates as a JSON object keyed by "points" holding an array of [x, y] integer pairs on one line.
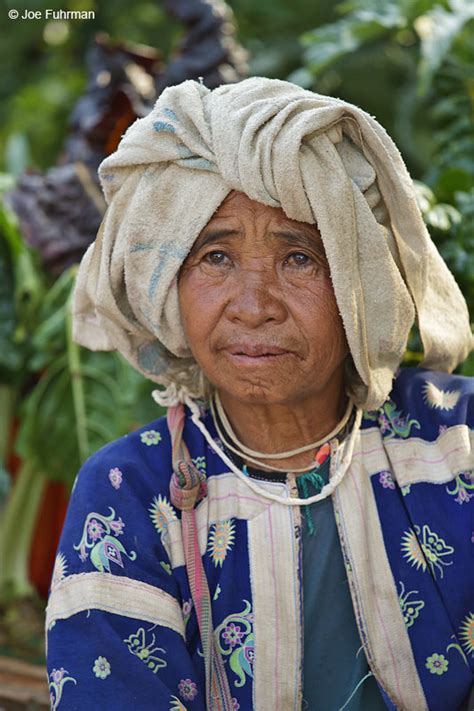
{"points": [[299, 259], [215, 257]]}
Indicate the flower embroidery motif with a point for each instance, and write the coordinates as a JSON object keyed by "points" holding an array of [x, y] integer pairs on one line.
{"points": [[162, 513], [410, 608], [104, 547], [115, 477], [58, 678], [463, 487], [59, 570], [221, 540], [235, 704], [430, 551], [95, 529], [232, 634], [385, 478], [117, 526], [391, 421], [437, 664], [150, 437], [187, 689], [238, 643], [101, 668], [466, 633], [145, 649]]}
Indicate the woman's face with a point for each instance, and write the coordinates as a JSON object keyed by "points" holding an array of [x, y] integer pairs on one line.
{"points": [[258, 307]]}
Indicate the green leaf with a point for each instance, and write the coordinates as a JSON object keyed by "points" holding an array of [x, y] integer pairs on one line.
{"points": [[328, 43], [438, 30]]}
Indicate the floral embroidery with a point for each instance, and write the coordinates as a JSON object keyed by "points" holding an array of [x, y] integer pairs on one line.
{"points": [[437, 664], [115, 477], [438, 399], [166, 567], [162, 513], [466, 633], [391, 421], [410, 608], [101, 668], [232, 634], [59, 570], [176, 704], [95, 529], [145, 649], [221, 540], [430, 552], [385, 478], [150, 437], [106, 548], [239, 643], [187, 689], [58, 679], [217, 592], [462, 487], [235, 704], [406, 489]]}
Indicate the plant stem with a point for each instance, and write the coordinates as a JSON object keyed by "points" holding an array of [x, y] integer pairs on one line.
{"points": [[18, 522], [7, 402]]}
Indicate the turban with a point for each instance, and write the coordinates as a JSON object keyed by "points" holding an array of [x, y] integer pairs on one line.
{"points": [[322, 161]]}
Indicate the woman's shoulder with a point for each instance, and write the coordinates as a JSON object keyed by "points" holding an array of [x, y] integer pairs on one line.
{"points": [[425, 403], [118, 509], [140, 457]]}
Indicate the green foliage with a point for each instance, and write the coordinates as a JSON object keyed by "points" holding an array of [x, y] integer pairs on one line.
{"points": [[425, 99], [82, 400], [75, 401]]}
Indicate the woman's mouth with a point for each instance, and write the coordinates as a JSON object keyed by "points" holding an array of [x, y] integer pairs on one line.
{"points": [[255, 354]]}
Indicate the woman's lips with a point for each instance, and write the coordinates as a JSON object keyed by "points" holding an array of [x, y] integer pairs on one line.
{"points": [[242, 359], [256, 354]]}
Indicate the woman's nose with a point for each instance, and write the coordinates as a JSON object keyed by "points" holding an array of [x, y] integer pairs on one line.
{"points": [[254, 300]]}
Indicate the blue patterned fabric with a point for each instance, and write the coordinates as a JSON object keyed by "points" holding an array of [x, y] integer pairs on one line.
{"points": [[110, 651]]}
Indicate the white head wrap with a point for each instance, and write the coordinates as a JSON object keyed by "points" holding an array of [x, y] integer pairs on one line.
{"points": [[322, 161]]}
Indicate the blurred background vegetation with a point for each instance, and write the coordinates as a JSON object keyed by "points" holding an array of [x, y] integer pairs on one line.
{"points": [[409, 63]]}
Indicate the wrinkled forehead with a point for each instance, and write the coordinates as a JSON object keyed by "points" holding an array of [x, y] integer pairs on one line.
{"points": [[238, 213]]}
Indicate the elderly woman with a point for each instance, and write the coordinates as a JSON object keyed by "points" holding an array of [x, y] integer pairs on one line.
{"points": [[296, 533]]}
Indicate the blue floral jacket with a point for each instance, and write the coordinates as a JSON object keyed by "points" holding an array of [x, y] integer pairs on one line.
{"points": [[122, 631]]}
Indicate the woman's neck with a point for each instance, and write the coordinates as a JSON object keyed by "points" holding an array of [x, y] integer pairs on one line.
{"points": [[280, 427]]}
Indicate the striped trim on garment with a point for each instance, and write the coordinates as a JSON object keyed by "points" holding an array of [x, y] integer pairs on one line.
{"points": [[374, 594], [415, 460], [275, 583], [117, 595]]}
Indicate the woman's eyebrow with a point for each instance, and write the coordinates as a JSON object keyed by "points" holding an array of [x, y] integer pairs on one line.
{"points": [[300, 238], [294, 237], [211, 236]]}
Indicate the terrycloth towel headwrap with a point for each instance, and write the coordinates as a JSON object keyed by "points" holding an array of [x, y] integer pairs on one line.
{"points": [[322, 161]]}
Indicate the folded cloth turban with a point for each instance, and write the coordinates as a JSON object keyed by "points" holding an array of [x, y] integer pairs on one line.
{"points": [[321, 160]]}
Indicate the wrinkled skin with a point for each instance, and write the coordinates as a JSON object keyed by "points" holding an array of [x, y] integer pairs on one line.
{"points": [[261, 318]]}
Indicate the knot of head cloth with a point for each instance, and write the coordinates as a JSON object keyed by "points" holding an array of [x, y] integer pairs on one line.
{"points": [[321, 160]]}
